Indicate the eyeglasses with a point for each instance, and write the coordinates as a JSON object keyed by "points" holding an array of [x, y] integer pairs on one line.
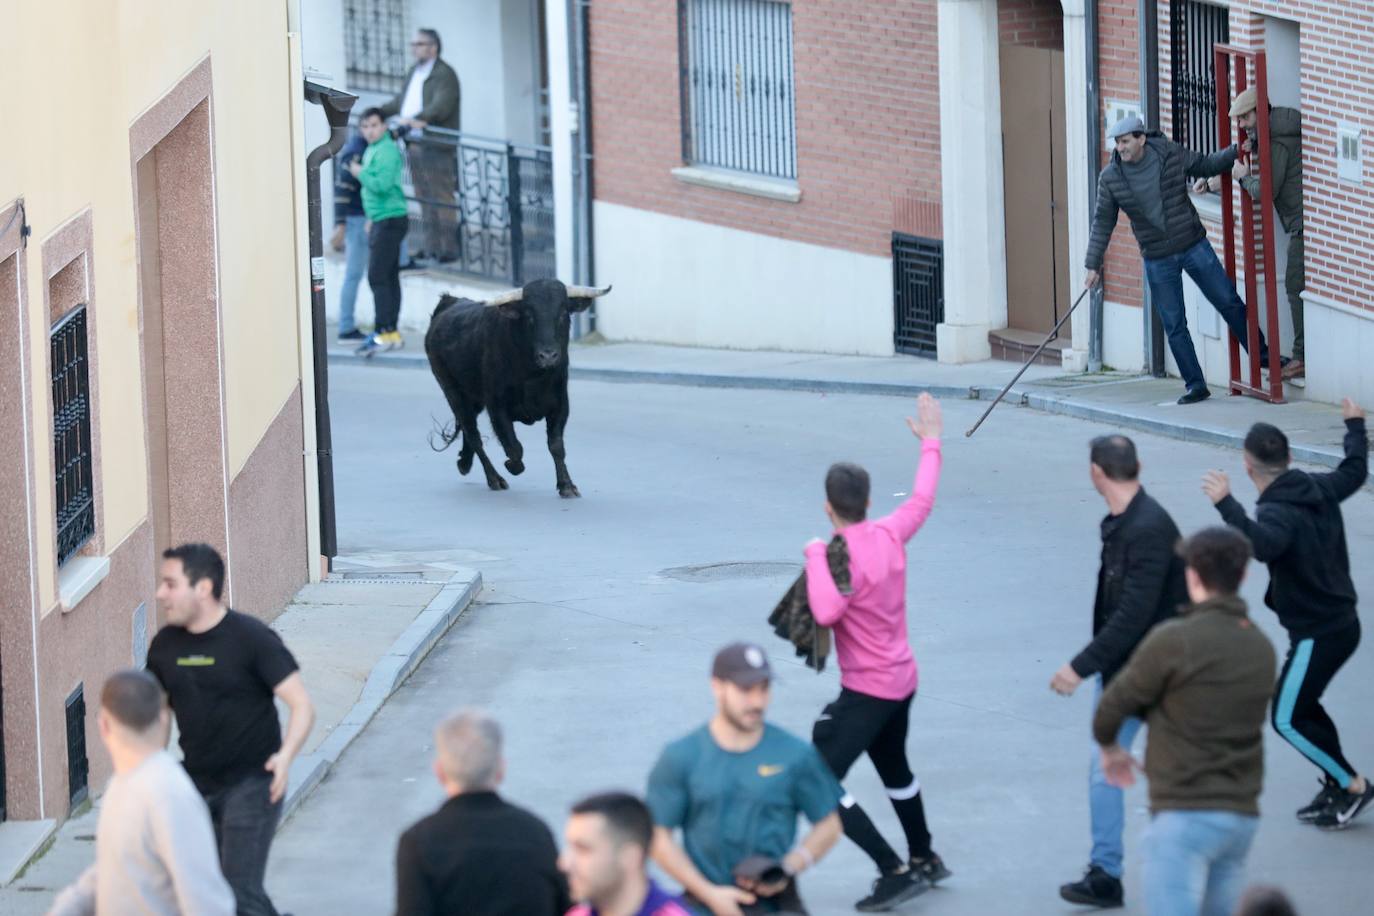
{"points": [[421, 44]]}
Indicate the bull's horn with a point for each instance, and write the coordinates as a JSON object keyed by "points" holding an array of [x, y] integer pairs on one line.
{"points": [[587, 292], [506, 298]]}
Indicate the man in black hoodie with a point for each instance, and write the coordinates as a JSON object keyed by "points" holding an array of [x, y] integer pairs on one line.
{"points": [[1299, 532], [1148, 178]]}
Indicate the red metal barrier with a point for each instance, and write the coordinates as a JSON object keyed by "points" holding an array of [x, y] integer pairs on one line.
{"points": [[1230, 63]]}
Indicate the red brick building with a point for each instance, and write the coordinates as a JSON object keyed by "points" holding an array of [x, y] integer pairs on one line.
{"points": [[858, 178]]}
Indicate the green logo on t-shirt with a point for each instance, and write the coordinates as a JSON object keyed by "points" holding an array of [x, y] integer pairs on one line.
{"points": [[195, 661]]}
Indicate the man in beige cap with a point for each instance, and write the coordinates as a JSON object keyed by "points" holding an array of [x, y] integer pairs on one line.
{"points": [[1285, 170]]}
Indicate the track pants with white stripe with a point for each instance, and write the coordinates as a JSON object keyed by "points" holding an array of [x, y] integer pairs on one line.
{"points": [[853, 725], [1298, 715]]}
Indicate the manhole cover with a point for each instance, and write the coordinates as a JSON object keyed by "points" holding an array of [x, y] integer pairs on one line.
{"points": [[716, 572]]}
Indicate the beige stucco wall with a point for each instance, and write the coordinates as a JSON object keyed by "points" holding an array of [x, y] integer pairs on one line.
{"points": [[80, 72]]}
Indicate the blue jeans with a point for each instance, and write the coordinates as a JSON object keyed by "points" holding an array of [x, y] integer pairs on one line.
{"points": [[1107, 803], [1165, 276], [355, 268], [1195, 862]]}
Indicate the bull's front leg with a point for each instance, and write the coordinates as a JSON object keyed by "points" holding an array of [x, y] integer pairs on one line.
{"points": [[504, 428], [554, 426]]}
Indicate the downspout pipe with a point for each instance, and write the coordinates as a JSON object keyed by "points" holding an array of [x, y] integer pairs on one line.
{"points": [[1148, 13], [1091, 38], [336, 107]]}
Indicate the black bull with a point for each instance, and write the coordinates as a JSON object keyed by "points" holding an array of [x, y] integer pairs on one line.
{"points": [[508, 356]]}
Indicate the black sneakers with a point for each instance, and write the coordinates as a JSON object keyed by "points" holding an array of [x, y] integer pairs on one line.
{"points": [[1344, 808], [932, 869], [1330, 792], [1096, 888], [1193, 395], [891, 890]]}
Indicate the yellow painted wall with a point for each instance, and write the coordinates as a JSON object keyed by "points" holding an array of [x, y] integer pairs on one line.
{"points": [[78, 73]]}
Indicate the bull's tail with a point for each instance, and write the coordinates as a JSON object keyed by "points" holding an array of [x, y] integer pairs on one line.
{"points": [[446, 433]]}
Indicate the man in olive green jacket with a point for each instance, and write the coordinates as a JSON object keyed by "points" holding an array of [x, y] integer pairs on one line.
{"points": [[431, 97], [1202, 683], [384, 203], [1285, 175]]}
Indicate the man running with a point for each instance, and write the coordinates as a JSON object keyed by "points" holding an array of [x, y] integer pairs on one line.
{"points": [[877, 669], [1299, 532]]}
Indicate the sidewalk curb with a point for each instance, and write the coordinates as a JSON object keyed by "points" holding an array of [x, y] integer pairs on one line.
{"points": [[390, 672], [1048, 403]]}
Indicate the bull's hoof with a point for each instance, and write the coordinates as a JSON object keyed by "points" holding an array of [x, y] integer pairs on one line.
{"points": [[464, 464], [515, 466], [569, 491], [497, 482]]}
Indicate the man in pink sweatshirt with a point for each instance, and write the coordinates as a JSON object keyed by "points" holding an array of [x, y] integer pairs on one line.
{"points": [[877, 669]]}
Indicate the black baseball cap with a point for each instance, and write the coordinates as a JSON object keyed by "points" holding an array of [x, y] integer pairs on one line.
{"points": [[742, 664]]}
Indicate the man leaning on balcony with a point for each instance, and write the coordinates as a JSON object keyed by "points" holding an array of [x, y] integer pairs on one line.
{"points": [[431, 98]]}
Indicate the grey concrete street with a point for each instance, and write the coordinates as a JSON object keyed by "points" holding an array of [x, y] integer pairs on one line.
{"points": [[592, 638]]}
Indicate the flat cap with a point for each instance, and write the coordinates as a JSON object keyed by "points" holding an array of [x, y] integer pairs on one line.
{"points": [[1127, 125], [1244, 103]]}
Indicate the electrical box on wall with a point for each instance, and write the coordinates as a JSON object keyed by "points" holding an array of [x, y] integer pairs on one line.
{"points": [[1349, 155], [1114, 110]]}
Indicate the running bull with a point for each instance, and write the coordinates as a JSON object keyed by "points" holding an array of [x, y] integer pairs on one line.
{"points": [[508, 356]]}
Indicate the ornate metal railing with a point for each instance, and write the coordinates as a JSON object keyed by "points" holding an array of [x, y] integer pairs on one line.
{"points": [[498, 221]]}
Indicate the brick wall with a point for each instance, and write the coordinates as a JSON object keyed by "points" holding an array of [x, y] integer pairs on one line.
{"points": [[867, 120], [1031, 23], [1337, 72], [1119, 78]]}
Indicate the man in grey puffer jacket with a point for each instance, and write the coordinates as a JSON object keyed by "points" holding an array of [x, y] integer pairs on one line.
{"points": [[1148, 178]]}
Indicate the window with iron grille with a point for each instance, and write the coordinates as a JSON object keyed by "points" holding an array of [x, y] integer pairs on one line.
{"points": [[737, 103], [78, 765], [376, 44], [918, 292], [71, 434], [1194, 28]]}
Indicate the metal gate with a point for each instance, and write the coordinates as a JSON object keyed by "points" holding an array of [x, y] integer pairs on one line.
{"points": [[1194, 28], [78, 765], [918, 292]]}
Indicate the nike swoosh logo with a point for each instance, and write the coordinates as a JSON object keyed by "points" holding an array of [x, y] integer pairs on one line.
{"points": [[1342, 817], [766, 770]]}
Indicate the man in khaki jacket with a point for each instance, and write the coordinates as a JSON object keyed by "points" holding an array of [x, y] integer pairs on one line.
{"points": [[1202, 683]]}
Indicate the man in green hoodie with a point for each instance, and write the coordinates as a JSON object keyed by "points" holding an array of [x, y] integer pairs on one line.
{"points": [[1201, 682], [1285, 172], [384, 202]]}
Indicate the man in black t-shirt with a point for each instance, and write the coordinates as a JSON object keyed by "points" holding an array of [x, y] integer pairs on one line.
{"points": [[221, 670]]}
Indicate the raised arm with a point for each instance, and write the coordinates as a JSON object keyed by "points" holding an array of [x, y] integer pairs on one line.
{"points": [[1269, 537], [1353, 470], [907, 519]]}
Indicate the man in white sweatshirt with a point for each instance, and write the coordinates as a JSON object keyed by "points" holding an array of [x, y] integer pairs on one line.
{"points": [[154, 846]]}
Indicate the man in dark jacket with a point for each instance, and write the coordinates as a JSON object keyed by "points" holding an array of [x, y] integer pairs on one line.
{"points": [[350, 233], [1299, 532], [1148, 178], [477, 855], [1140, 583], [1202, 684], [431, 98]]}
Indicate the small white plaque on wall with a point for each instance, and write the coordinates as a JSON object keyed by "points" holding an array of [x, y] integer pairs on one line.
{"points": [[1349, 152]]}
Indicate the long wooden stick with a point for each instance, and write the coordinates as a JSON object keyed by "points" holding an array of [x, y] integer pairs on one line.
{"points": [[1018, 375]]}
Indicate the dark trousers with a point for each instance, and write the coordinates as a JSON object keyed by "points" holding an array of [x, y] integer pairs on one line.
{"points": [[1294, 282], [245, 822], [1297, 712], [384, 270], [787, 903], [434, 174], [1165, 276], [857, 724]]}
